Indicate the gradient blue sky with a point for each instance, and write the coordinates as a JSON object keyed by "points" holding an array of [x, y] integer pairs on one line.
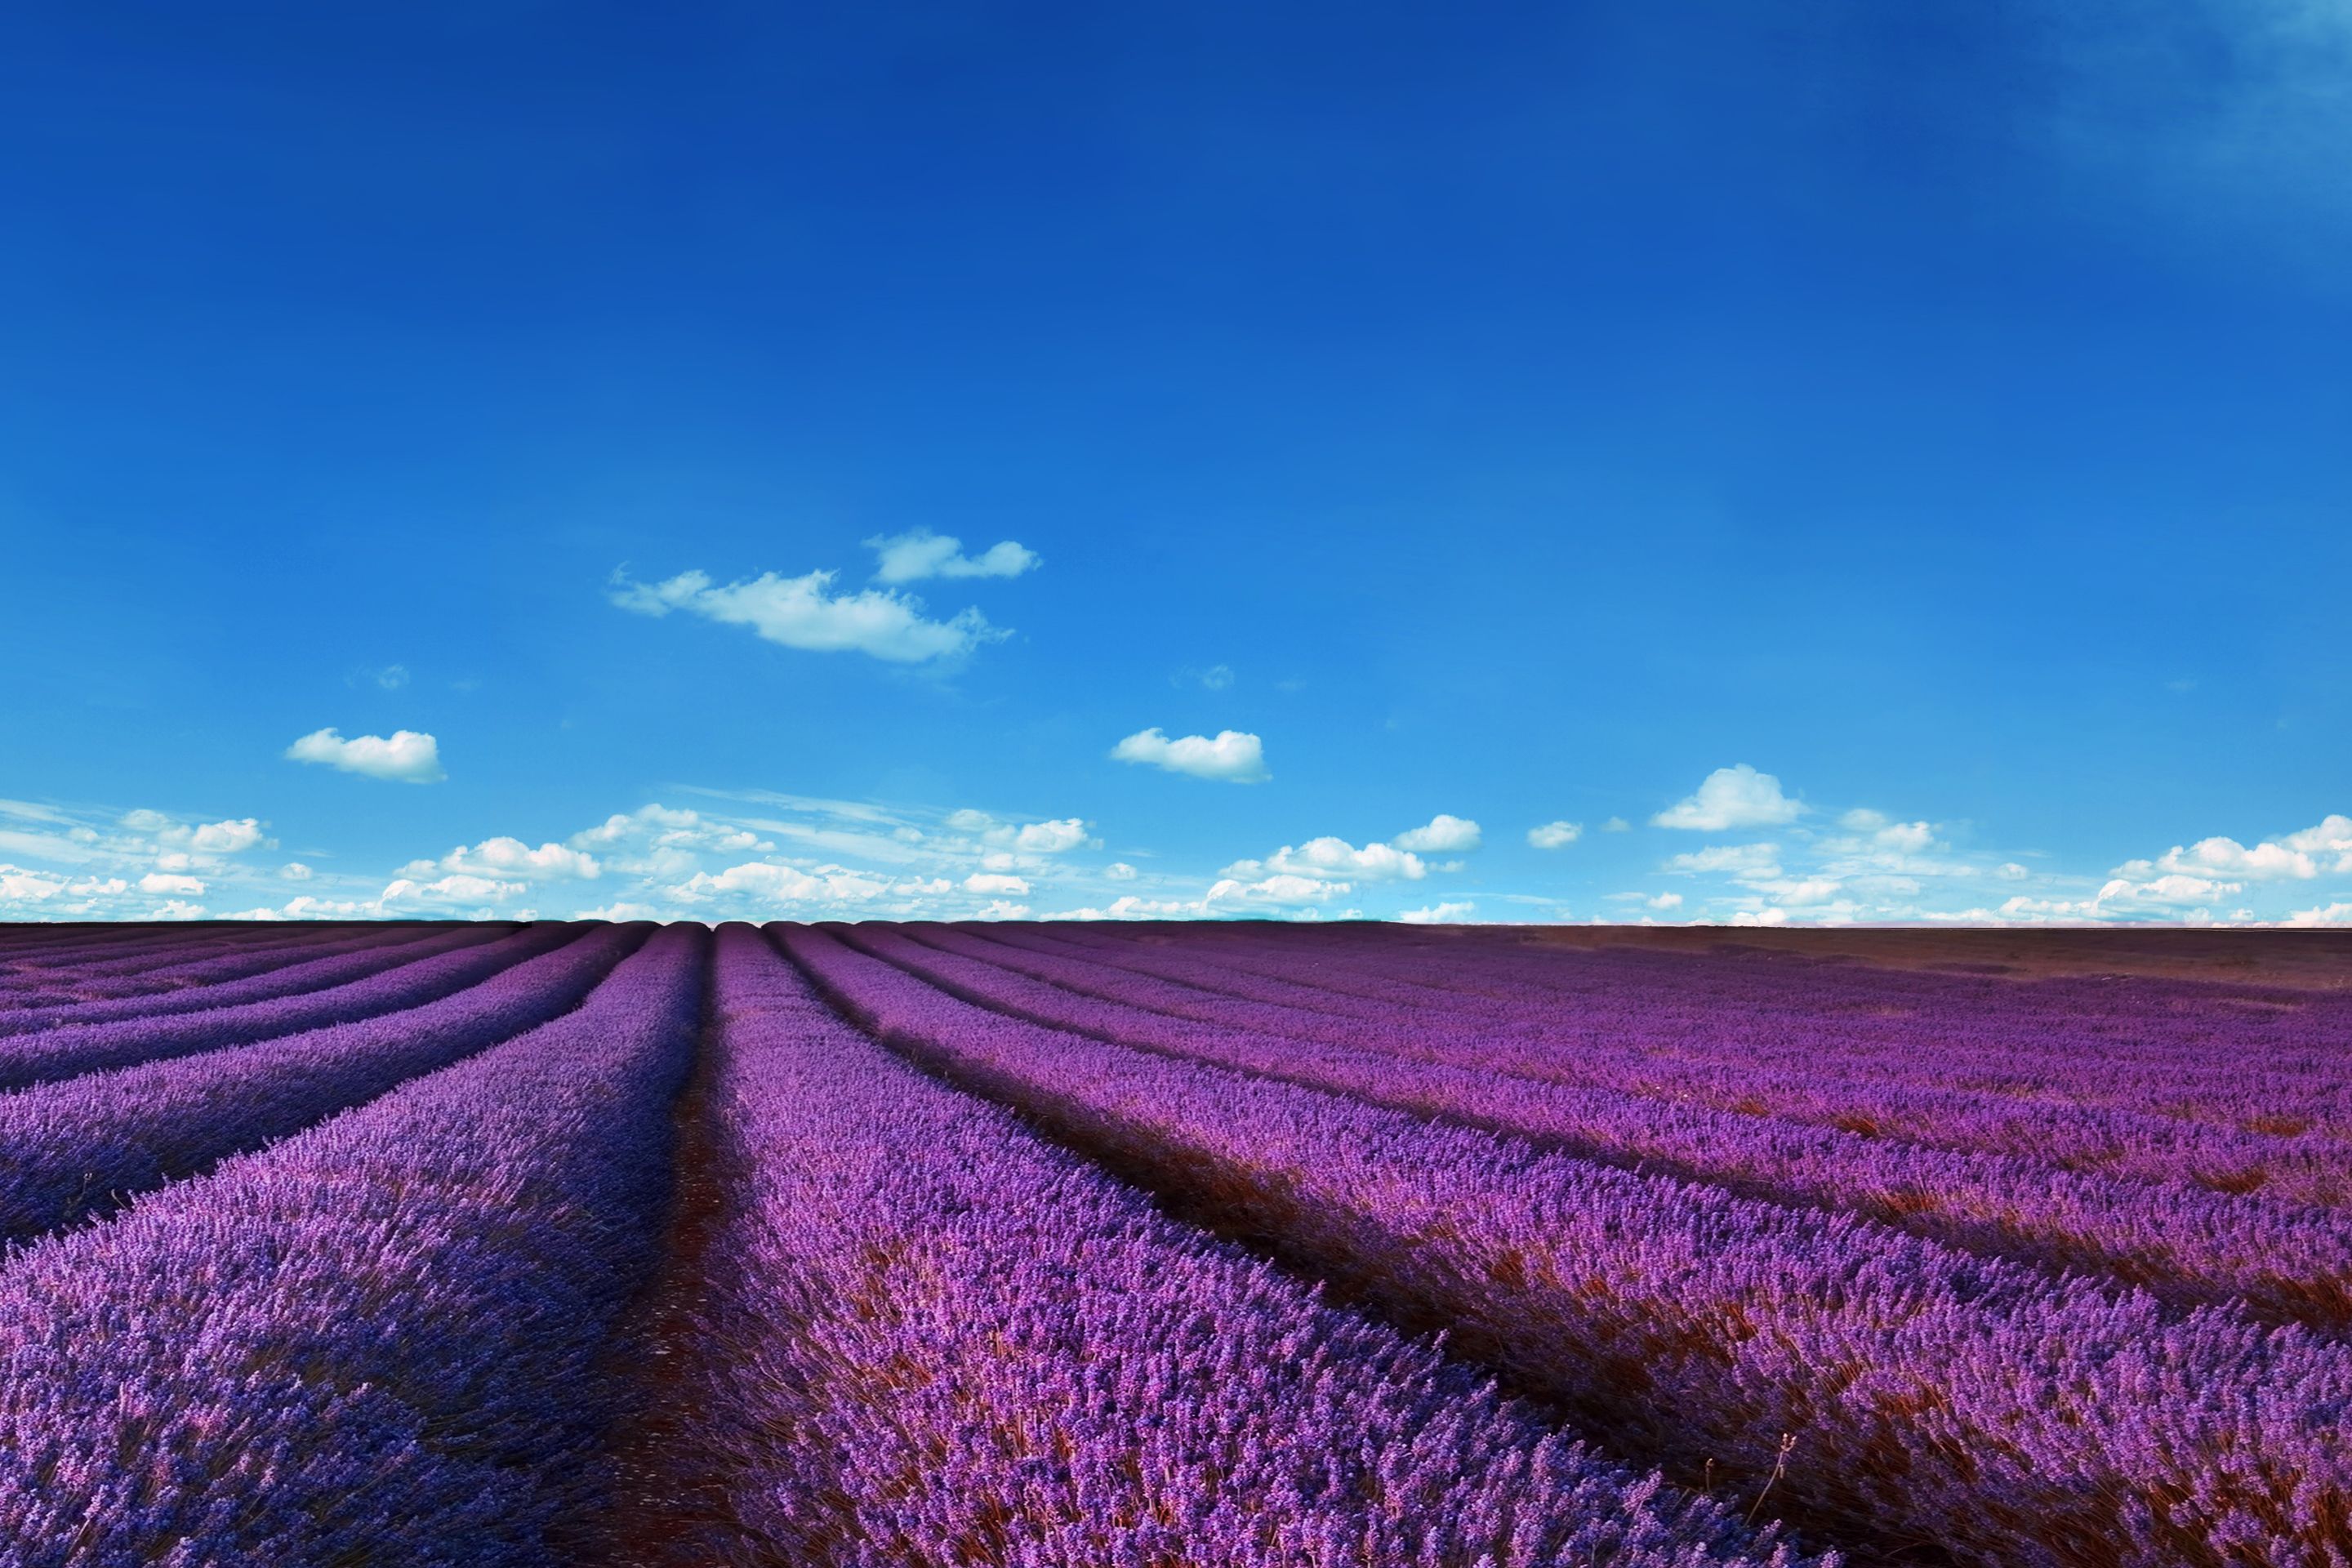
{"points": [[1938, 415]]}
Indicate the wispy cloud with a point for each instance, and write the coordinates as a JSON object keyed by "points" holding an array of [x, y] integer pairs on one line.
{"points": [[804, 613], [911, 557]]}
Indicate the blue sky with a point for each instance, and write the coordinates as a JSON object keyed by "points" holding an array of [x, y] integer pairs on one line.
{"points": [[1843, 461]]}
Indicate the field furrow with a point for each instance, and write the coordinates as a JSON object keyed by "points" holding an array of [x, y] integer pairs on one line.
{"points": [[924, 1338]]}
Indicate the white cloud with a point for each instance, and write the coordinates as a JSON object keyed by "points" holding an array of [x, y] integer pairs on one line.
{"points": [[1131, 907], [2172, 888], [209, 838], [1760, 917], [1666, 902], [2010, 871], [1330, 858], [621, 826], [407, 755], [1438, 914], [504, 856], [1900, 838], [1119, 871], [622, 909], [800, 611], [177, 909], [1051, 837], [1555, 835], [2333, 835], [2328, 915], [986, 882], [1616, 825], [1731, 798], [458, 889], [910, 557], [1234, 756], [2301, 855], [158, 882], [1280, 890], [1001, 910], [1443, 836], [20, 886], [1736, 859]]}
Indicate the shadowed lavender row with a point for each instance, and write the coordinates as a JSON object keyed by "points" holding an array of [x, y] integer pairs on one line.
{"points": [[930, 1340], [385, 1341], [82, 1144], [2016, 1421], [2288, 1263], [51, 1054]]}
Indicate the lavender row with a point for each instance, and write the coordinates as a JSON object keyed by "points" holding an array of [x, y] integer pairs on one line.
{"points": [[114, 944], [2285, 1262], [1610, 1046], [139, 962], [52, 1054], [2226, 1054], [304, 973], [82, 1145], [2014, 1420], [384, 1340], [929, 1339]]}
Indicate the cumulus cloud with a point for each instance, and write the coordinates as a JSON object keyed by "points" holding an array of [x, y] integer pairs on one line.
{"points": [[1438, 914], [2010, 871], [504, 856], [1233, 756], [1282, 888], [1333, 858], [160, 882], [407, 755], [1732, 797], [1001, 910], [458, 889], [2174, 887], [2301, 855], [1119, 871], [803, 613], [1132, 907], [1443, 836], [1053, 837], [910, 557], [1555, 835], [2338, 914], [988, 882], [1666, 902]]}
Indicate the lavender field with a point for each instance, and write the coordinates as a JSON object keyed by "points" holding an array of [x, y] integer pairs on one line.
{"points": [[1153, 1246]]}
